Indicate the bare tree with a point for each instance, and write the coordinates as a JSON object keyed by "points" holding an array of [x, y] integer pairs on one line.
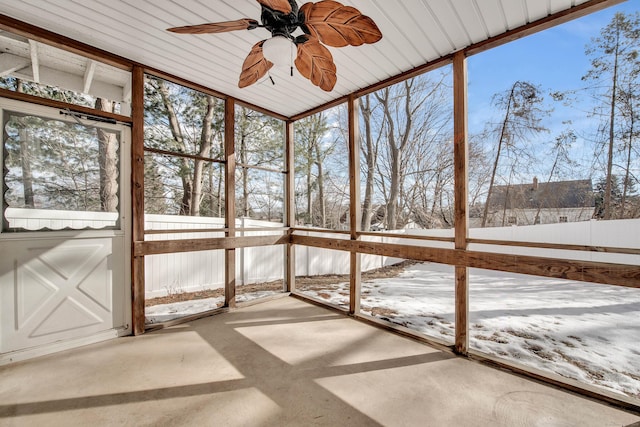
{"points": [[522, 113], [560, 153], [193, 120], [629, 100], [369, 151], [614, 60], [312, 148]]}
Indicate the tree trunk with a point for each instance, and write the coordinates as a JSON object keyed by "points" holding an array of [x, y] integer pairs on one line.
{"points": [[321, 199], [206, 137], [108, 161], [219, 189], [396, 150], [176, 132], [245, 177], [612, 117], [629, 147], [503, 135], [370, 159]]}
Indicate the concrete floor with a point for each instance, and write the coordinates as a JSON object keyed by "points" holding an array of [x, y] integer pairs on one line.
{"points": [[280, 363]]}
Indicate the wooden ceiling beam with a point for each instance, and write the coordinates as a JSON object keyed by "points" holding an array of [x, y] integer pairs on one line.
{"points": [[35, 60]]}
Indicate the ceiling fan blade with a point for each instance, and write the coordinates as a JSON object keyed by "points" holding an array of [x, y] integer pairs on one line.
{"points": [[217, 27], [280, 5], [255, 66], [314, 61], [337, 25]]}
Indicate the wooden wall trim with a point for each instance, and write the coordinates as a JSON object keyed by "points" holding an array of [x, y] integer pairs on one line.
{"points": [[229, 201], [461, 197], [214, 230], [460, 150], [289, 204], [157, 247], [137, 196], [355, 210], [321, 231], [587, 271], [559, 246], [32, 99], [407, 236]]}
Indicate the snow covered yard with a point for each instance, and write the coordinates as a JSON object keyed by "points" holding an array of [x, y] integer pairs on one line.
{"points": [[579, 330]]}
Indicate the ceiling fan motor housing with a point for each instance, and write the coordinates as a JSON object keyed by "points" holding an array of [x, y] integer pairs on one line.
{"points": [[282, 24]]}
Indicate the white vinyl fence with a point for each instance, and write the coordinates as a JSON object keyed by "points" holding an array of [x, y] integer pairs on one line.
{"points": [[192, 271], [621, 233]]}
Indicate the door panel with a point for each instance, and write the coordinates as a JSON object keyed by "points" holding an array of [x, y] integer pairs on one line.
{"points": [[64, 265], [59, 289]]}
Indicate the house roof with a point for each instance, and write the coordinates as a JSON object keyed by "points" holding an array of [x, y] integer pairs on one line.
{"points": [[545, 195], [415, 33]]}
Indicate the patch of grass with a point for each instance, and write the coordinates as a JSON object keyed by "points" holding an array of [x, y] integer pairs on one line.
{"points": [[539, 351], [597, 375], [496, 337], [383, 311], [522, 334]]}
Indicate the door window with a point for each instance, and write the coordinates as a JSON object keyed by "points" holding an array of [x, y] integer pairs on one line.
{"points": [[59, 174]]}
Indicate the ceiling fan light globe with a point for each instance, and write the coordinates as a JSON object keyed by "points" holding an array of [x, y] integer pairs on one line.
{"points": [[278, 50]]}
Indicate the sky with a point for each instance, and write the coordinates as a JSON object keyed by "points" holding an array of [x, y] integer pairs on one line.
{"points": [[553, 59]]}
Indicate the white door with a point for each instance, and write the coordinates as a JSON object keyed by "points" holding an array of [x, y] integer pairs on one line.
{"points": [[65, 239]]}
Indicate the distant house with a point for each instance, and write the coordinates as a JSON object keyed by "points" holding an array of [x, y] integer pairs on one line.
{"points": [[540, 203]]}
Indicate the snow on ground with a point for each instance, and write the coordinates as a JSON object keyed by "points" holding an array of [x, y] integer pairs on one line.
{"points": [[583, 331], [166, 312]]}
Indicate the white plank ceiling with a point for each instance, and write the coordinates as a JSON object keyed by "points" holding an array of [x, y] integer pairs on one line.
{"points": [[414, 33]]}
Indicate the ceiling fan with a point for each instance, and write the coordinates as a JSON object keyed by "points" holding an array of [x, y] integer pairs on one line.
{"points": [[324, 22]]}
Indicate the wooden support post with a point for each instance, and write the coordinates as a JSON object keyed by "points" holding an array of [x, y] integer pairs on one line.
{"points": [[289, 219], [137, 195], [460, 156], [230, 201], [355, 211]]}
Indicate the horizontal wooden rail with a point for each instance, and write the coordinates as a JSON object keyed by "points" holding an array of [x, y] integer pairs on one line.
{"points": [[195, 245], [540, 245], [407, 236], [213, 230], [32, 99], [186, 230], [559, 246], [182, 155], [586, 271], [314, 230]]}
